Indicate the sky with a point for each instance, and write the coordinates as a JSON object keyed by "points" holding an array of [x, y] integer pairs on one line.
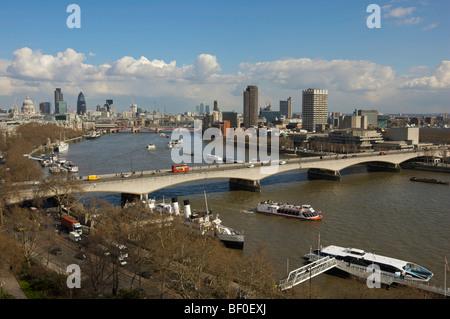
{"points": [[173, 55]]}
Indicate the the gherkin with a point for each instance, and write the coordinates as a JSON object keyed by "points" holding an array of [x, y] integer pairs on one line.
{"points": [[81, 104]]}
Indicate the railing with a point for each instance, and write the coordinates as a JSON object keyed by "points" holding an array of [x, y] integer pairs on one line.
{"points": [[304, 273]]}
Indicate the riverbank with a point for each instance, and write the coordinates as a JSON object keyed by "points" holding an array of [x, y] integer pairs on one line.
{"points": [[49, 147], [440, 167]]}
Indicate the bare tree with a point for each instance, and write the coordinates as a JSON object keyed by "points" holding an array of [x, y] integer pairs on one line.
{"points": [[26, 226], [65, 190]]}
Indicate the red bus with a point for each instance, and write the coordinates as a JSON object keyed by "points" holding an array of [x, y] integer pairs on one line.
{"points": [[180, 168]]}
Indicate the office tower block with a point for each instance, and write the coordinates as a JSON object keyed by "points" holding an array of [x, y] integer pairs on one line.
{"points": [[251, 106], [58, 95], [286, 108], [61, 107], [372, 117], [314, 108]]}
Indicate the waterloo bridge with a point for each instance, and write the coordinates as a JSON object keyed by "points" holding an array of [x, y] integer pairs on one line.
{"points": [[240, 175]]}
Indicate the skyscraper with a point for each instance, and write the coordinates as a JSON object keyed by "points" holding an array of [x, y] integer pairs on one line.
{"points": [[58, 95], [60, 105], [286, 108], [81, 104], [108, 105], [251, 106], [45, 107], [314, 108]]}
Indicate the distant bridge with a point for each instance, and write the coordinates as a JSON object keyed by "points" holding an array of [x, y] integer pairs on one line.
{"points": [[114, 128]]}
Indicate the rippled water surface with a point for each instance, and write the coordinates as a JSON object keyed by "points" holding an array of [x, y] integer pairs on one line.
{"points": [[379, 211]]}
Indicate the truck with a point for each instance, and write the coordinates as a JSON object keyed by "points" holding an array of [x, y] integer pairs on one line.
{"points": [[93, 177], [71, 224], [74, 236]]}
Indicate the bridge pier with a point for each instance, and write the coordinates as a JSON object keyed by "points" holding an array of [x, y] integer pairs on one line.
{"points": [[383, 167], [245, 184], [129, 198], [316, 173]]}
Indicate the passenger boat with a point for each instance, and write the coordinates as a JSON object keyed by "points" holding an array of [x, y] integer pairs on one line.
{"points": [[60, 160], [303, 212], [71, 167], [55, 169], [202, 223], [62, 147], [428, 180], [93, 135], [175, 143], [357, 262]]}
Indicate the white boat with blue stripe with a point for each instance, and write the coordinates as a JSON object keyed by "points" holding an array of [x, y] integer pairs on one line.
{"points": [[350, 259]]}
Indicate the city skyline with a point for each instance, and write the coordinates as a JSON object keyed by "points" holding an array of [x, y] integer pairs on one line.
{"points": [[175, 55]]}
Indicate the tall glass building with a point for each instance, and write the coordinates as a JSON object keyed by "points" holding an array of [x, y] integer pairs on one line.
{"points": [[81, 104], [250, 106], [61, 107]]}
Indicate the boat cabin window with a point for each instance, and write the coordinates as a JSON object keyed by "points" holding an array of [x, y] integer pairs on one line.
{"points": [[356, 252]]}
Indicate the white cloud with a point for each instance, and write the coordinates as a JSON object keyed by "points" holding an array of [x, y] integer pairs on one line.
{"points": [[430, 26], [205, 66], [142, 67], [350, 82], [399, 12], [67, 65], [401, 15], [411, 21], [341, 75], [439, 79]]}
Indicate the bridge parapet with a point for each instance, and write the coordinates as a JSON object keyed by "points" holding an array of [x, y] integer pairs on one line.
{"points": [[147, 182]]}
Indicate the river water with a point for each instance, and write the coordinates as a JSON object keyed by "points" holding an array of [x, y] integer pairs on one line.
{"points": [[380, 211]]}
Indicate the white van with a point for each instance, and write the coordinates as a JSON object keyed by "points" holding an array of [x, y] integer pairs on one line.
{"points": [[74, 236]]}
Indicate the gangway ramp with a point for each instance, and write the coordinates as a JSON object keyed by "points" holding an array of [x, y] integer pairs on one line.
{"points": [[304, 273]]}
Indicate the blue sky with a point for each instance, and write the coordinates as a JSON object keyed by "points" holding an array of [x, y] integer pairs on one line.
{"points": [[177, 54]]}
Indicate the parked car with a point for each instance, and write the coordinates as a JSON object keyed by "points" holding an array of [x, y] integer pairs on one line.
{"points": [[122, 261], [56, 251], [81, 255], [146, 274]]}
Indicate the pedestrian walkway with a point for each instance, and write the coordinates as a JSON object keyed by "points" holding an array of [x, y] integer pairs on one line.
{"points": [[9, 282]]}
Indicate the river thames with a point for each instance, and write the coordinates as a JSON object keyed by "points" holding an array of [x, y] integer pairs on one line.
{"points": [[378, 211]]}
